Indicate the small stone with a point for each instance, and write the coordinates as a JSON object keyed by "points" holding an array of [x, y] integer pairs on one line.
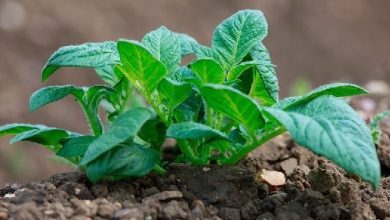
{"points": [[174, 210], [3, 215], [131, 214], [229, 213], [266, 216], [166, 195], [150, 191], [381, 207], [100, 190], [289, 165], [360, 210], [273, 178], [9, 195], [212, 210], [107, 209], [206, 169]]}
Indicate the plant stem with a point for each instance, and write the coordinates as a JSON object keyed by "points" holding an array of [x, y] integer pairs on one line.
{"points": [[189, 153], [159, 170], [93, 120], [248, 148]]}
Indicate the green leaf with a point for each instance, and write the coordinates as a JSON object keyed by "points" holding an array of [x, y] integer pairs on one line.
{"points": [[17, 128], [50, 94], [140, 67], [237, 35], [330, 128], [75, 146], [174, 92], [265, 86], [334, 89], [204, 52], [239, 69], [108, 74], [164, 45], [93, 55], [233, 103], [193, 130], [126, 126], [209, 71], [153, 132], [123, 161], [186, 44]]}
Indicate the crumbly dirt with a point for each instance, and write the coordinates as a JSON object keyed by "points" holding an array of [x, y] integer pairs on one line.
{"points": [[314, 189]]}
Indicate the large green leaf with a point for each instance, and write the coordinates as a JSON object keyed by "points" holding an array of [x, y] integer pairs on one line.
{"points": [[265, 86], [164, 46], [140, 67], [204, 52], [93, 55], [187, 44], [334, 89], [123, 161], [49, 137], [75, 146], [193, 130], [174, 92], [235, 104], [125, 127], [237, 35], [208, 70], [331, 128], [50, 94]]}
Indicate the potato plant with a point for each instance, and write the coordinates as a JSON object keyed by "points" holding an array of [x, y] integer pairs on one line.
{"points": [[219, 107]]}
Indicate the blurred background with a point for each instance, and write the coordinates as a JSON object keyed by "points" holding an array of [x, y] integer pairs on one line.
{"points": [[311, 44]]}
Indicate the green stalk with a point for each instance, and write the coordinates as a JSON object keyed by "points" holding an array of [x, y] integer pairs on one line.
{"points": [[159, 170], [248, 148], [189, 153], [93, 120]]}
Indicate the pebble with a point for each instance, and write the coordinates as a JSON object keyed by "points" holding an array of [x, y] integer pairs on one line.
{"points": [[289, 165], [273, 178], [166, 195]]}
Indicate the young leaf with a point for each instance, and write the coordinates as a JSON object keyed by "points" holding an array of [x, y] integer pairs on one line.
{"points": [[123, 161], [75, 146], [237, 35], [126, 126], [265, 86], [50, 94], [165, 47], [193, 130], [17, 128], [140, 67], [236, 71], [209, 71], [330, 128], [94, 55], [235, 104], [334, 89], [174, 92], [186, 44]]}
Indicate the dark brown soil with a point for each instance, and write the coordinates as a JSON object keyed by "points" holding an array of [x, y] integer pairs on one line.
{"points": [[315, 189]]}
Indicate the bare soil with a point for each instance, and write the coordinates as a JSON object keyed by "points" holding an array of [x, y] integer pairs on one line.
{"points": [[314, 189]]}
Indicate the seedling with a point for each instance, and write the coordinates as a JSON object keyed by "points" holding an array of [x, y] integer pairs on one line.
{"points": [[219, 107], [376, 131]]}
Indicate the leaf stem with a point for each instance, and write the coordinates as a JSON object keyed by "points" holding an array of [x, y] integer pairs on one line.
{"points": [[248, 148]]}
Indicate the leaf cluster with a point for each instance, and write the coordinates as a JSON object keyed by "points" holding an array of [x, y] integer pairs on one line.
{"points": [[219, 107]]}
